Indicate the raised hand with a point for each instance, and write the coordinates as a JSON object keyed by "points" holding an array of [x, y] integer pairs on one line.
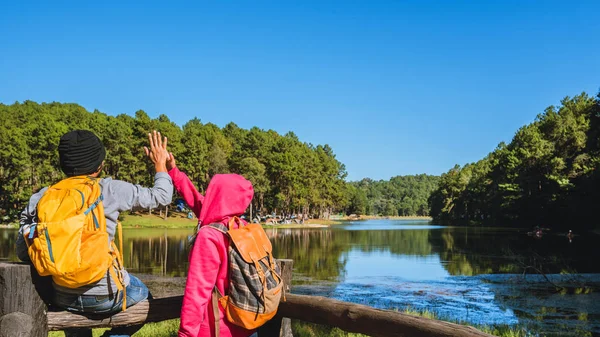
{"points": [[171, 162], [157, 153]]}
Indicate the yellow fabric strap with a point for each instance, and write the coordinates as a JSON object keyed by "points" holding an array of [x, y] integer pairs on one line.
{"points": [[263, 279], [216, 314], [120, 260]]}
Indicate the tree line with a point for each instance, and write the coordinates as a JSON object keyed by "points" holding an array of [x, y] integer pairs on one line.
{"points": [[548, 175], [399, 196], [289, 176]]}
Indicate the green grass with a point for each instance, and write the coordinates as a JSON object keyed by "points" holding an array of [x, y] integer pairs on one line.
{"points": [[496, 330], [161, 329], [178, 220], [395, 217], [155, 221], [304, 329], [424, 313]]}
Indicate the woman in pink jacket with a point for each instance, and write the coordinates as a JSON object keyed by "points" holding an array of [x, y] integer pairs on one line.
{"points": [[227, 195]]}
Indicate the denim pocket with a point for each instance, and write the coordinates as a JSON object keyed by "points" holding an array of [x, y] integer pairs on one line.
{"points": [[136, 291], [98, 304], [68, 302], [101, 304]]}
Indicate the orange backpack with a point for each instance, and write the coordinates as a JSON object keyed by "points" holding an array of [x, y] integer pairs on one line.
{"points": [[255, 284], [70, 241]]}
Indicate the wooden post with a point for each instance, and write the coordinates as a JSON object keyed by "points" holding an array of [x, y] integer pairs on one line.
{"points": [[22, 310], [279, 325], [286, 266]]}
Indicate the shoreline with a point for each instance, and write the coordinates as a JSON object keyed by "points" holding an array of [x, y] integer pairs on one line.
{"points": [[180, 221], [295, 226], [396, 217]]}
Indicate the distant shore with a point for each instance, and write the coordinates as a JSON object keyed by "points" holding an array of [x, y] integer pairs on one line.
{"points": [[379, 217], [178, 220]]}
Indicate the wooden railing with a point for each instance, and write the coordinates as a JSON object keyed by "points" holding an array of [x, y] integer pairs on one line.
{"points": [[23, 312]]}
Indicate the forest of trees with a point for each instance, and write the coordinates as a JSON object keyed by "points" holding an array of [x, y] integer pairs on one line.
{"points": [[401, 195], [289, 176], [547, 175]]}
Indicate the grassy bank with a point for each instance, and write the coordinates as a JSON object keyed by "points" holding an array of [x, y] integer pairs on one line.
{"points": [[377, 217], [303, 329], [178, 220], [156, 221]]}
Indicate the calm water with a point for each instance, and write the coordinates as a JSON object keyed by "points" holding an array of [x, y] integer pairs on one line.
{"points": [[466, 274]]}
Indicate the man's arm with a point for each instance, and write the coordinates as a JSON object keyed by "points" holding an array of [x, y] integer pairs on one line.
{"points": [[129, 196]]}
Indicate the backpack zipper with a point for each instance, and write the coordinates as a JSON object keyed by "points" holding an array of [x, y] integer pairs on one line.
{"points": [[82, 198], [49, 245]]}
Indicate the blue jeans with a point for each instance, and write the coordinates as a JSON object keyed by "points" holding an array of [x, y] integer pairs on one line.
{"points": [[105, 304]]}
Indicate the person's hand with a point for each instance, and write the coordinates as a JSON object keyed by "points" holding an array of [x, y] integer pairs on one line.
{"points": [[171, 162], [157, 153]]}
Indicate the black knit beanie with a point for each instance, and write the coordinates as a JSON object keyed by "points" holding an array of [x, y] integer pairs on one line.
{"points": [[81, 152]]}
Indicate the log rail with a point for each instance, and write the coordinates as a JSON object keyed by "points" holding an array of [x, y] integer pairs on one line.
{"points": [[24, 314]]}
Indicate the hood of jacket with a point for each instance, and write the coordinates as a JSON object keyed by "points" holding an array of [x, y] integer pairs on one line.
{"points": [[227, 195]]}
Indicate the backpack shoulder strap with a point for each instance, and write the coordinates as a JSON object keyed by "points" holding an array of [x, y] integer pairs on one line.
{"points": [[220, 227], [216, 314], [216, 294]]}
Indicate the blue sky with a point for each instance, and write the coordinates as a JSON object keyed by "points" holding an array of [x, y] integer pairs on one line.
{"points": [[395, 87]]}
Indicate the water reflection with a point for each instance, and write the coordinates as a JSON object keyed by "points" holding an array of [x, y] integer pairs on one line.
{"points": [[7, 244], [363, 268], [161, 252], [316, 253], [388, 225], [324, 254], [149, 251]]}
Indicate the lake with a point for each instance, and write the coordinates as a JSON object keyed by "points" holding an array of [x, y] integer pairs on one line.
{"points": [[472, 274]]}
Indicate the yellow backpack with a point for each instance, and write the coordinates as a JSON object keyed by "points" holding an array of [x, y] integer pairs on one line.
{"points": [[70, 241]]}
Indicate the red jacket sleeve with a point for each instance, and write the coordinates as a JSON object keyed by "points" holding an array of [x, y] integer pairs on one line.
{"points": [[202, 276], [187, 190]]}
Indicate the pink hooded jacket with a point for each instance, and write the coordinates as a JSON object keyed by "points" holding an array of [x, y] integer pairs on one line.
{"points": [[227, 195]]}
